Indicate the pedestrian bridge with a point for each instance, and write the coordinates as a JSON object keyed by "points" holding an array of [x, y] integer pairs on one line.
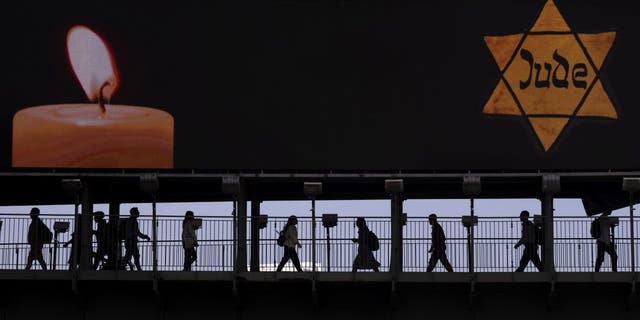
{"points": [[219, 288], [233, 276], [490, 242]]}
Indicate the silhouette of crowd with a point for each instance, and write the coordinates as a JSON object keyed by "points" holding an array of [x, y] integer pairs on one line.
{"points": [[109, 236]]}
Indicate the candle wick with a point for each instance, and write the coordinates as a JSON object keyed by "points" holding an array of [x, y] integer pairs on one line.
{"points": [[103, 109]]}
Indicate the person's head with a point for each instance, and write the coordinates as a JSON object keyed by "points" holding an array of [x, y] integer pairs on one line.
{"points": [[524, 215], [361, 223], [134, 212], [433, 218], [188, 215], [98, 216], [293, 220], [35, 212], [606, 213]]}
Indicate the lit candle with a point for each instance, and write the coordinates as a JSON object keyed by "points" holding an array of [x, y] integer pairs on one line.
{"points": [[98, 135]]}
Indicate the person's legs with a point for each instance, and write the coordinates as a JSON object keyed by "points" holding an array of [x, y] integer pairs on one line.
{"points": [[30, 258], [194, 256], [535, 258], [445, 262], [432, 261], [285, 258], [39, 256], [136, 257], [99, 257], [356, 262], [128, 253], [295, 259], [611, 250], [187, 258], [524, 260], [70, 260], [600, 256]]}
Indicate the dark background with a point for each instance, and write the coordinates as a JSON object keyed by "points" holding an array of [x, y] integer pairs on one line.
{"points": [[318, 86]]}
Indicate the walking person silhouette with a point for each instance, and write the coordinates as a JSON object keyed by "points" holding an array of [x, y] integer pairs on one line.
{"points": [[37, 236], [189, 240], [438, 247], [604, 241], [132, 232], [290, 243], [528, 239], [366, 243]]}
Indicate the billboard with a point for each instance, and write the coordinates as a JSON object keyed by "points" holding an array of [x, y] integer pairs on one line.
{"points": [[440, 85]]}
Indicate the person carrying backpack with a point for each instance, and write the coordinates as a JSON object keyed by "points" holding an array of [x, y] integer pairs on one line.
{"points": [[438, 247], [290, 243], [367, 243], [528, 239], [604, 242], [38, 235]]}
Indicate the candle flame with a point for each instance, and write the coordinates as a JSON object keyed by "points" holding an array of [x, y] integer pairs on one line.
{"points": [[92, 63]]}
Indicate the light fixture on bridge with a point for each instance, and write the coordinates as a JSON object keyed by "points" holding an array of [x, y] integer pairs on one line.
{"points": [[61, 226], [394, 186], [312, 189], [551, 184], [631, 184], [58, 228], [329, 220], [231, 185], [149, 183], [72, 185], [469, 221], [471, 185]]}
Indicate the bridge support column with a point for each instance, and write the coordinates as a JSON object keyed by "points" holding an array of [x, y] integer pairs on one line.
{"points": [[232, 185], [550, 187], [471, 187], [241, 258], [632, 185], [312, 190], [395, 187], [84, 232], [114, 254], [255, 235], [149, 184], [74, 188]]}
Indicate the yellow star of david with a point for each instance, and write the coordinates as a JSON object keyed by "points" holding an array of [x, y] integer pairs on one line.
{"points": [[550, 75]]}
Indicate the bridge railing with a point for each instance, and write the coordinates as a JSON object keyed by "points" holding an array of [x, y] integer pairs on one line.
{"points": [[494, 240]]}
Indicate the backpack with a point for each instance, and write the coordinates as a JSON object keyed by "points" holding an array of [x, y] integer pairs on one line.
{"points": [[281, 237], [595, 228], [374, 243], [47, 236]]}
